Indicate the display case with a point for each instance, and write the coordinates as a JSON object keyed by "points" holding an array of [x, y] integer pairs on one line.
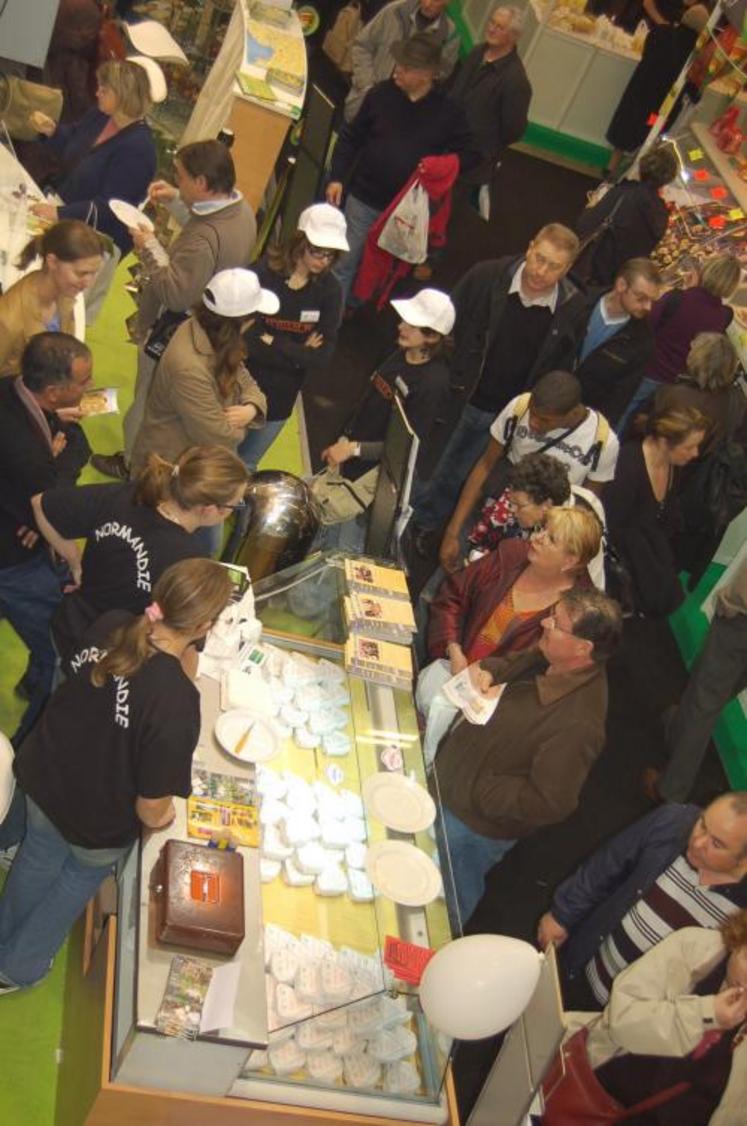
{"points": [[324, 1017], [708, 216]]}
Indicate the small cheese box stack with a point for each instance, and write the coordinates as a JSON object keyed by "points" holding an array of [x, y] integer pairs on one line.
{"points": [[381, 623]]}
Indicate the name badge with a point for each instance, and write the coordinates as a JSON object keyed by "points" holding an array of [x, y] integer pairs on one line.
{"points": [[309, 316]]}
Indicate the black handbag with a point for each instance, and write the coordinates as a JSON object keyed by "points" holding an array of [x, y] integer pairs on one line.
{"points": [[160, 334]]}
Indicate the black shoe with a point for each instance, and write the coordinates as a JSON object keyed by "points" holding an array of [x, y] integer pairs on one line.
{"points": [[111, 465]]}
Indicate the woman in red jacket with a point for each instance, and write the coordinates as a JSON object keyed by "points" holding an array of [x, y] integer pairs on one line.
{"points": [[495, 606]]}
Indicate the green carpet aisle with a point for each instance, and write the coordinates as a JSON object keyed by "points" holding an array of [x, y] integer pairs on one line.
{"points": [[30, 1023]]}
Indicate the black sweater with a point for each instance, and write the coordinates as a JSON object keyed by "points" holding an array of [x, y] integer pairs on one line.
{"points": [[280, 368], [379, 150]]}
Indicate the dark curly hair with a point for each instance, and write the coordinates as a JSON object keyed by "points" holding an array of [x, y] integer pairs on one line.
{"points": [[541, 477]]}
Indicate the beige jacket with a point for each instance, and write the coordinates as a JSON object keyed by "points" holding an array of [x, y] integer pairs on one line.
{"points": [[20, 319], [652, 1011], [184, 407], [208, 242]]}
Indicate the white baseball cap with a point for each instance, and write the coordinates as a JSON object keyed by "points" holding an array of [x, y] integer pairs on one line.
{"points": [[324, 226], [156, 77], [428, 309], [237, 293]]}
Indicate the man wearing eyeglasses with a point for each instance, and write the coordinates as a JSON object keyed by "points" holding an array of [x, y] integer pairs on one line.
{"points": [[525, 767], [619, 342], [677, 867]]}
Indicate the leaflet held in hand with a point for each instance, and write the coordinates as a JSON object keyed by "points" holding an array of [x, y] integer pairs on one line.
{"points": [[463, 693]]}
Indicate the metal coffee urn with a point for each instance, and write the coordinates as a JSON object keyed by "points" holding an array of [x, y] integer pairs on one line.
{"points": [[283, 519]]}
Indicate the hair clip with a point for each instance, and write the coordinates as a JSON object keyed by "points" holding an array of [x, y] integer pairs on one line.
{"points": [[175, 471], [154, 613]]}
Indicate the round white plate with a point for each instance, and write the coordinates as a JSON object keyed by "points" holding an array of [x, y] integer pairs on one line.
{"points": [[398, 802], [403, 873], [128, 214], [262, 742]]}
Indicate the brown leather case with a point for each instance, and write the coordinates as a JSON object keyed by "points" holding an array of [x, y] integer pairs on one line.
{"points": [[200, 899]]}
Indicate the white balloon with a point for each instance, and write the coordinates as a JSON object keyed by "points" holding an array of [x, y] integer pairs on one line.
{"points": [[476, 986]]}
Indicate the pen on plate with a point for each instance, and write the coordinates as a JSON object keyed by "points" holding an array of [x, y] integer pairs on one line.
{"points": [[242, 740]]}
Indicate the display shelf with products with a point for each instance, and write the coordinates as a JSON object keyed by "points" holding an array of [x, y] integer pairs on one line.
{"points": [[344, 901], [708, 216]]}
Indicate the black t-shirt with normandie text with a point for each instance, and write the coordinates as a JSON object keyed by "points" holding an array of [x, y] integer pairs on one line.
{"points": [[94, 750], [128, 547]]}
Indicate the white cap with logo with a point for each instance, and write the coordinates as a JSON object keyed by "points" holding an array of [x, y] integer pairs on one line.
{"points": [[324, 226], [237, 293], [428, 309]]}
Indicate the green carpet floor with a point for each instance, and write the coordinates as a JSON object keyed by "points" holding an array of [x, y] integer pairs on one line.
{"points": [[30, 1023]]}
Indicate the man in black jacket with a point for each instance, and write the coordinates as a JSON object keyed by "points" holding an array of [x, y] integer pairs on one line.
{"points": [[492, 86], [55, 371], [400, 121], [517, 318], [618, 342]]}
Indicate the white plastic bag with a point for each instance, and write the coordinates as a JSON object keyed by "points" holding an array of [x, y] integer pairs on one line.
{"points": [[405, 233]]}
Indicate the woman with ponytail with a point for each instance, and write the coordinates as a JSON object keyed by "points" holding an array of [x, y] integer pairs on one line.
{"points": [[108, 755], [134, 531], [42, 301]]}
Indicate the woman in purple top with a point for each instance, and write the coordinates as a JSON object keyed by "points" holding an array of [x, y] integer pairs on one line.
{"points": [[677, 318]]}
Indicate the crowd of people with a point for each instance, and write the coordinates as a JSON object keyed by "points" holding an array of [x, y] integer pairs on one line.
{"points": [[593, 402]]}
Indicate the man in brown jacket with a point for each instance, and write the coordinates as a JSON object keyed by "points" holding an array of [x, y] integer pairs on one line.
{"points": [[218, 232], [525, 767]]}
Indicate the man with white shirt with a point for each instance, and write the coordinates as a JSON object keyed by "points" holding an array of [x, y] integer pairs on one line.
{"points": [[516, 319], [550, 419], [218, 232], [618, 342]]}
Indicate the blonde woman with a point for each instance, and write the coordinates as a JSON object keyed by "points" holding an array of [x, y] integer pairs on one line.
{"points": [[495, 606], [108, 755], [134, 532], [675, 1027], [71, 254], [108, 154]]}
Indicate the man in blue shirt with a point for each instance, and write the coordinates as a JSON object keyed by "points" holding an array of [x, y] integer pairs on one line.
{"points": [[618, 342]]}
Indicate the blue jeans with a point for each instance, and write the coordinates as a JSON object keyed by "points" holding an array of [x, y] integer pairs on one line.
{"points": [[646, 388], [359, 217], [29, 595], [257, 443], [471, 856], [467, 443], [48, 886]]}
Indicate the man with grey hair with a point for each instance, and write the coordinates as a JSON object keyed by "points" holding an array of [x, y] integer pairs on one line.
{"points": [[372, 57], [492, 86]]}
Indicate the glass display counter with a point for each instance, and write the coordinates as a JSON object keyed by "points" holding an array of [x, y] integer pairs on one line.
{"points": [[320, 1019]]}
